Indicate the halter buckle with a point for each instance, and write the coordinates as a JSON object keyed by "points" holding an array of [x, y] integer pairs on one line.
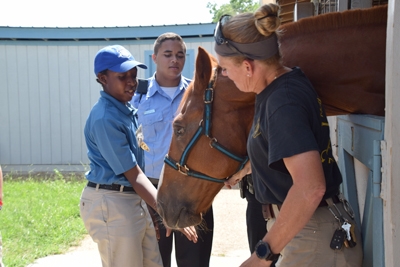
{"points": [[182, 169], [212, 142], [208, 98]]}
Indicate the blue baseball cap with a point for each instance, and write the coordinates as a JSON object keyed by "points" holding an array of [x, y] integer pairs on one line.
{"points": [[116, 58]]}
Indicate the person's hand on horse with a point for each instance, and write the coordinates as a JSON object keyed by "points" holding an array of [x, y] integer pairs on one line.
{"points": [[237, 177], [189, 232]]}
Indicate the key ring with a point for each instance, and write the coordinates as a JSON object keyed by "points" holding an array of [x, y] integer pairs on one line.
{"points": [[346, 205], [338, 217]]}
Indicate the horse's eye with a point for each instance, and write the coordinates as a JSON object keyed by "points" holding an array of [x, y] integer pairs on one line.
{"points": [[179, 131]]}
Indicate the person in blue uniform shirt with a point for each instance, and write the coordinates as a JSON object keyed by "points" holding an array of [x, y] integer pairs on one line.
{"points": [[156, 111]]}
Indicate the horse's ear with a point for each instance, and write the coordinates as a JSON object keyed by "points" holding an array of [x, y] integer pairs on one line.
{"points": [[203, 65]]}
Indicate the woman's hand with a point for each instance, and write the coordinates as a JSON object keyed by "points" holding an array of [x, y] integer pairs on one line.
{"points": [[254, 261], [237, 177]]}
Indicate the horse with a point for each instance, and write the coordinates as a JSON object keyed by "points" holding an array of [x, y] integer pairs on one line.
{"points": [[193, 134], [344, 56], [210, 132]]}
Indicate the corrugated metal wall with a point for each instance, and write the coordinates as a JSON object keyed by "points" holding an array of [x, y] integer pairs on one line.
{"points": [[46, 92]]}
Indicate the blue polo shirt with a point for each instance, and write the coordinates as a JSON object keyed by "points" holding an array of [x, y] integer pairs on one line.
{"points": [[111, 141], [156, 111]]}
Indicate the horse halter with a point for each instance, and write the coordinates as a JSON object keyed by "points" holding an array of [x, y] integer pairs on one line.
{"points": [[204, 128]]}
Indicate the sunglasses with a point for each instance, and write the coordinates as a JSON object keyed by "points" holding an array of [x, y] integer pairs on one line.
{"points": [[259, 50], [218, 36]]}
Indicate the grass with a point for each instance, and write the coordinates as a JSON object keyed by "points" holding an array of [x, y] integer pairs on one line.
{"points": [[40, 217]]}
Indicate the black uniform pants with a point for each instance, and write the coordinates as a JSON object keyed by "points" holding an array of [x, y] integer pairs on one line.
{"points": [[256, 224], [187, 253]]}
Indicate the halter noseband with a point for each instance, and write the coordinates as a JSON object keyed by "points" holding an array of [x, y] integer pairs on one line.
{"points": [[206, 130]]}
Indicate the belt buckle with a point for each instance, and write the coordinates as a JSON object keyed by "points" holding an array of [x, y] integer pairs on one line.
{"points": [[276, 209], [268, 212]]}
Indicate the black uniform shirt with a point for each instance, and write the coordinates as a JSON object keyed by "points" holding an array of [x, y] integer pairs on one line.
{"points": [[289, 119]]}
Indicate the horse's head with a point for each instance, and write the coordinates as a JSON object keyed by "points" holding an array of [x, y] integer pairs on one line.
{"points": [[208, 144]]}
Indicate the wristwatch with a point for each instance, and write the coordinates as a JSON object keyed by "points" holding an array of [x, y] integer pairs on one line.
{"points": [[263, 251]]}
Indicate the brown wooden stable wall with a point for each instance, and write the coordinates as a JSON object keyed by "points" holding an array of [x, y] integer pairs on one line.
{"points": [[287, 9]]}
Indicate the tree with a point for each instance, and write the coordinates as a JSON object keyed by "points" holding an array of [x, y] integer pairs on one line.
{"points": [[233, 8]]}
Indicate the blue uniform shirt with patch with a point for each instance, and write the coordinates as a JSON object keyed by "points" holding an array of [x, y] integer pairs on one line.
{"points": [[156, 111]]}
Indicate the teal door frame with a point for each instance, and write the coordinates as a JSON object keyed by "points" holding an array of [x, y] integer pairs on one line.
{"points": [[359, 137]]}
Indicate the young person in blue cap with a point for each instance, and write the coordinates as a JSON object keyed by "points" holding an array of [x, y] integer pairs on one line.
{"points": [[112, 204], [156, 111]]}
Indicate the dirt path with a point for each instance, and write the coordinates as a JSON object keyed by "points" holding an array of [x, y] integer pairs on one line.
{"points": [[230, 247], [230, 234]]}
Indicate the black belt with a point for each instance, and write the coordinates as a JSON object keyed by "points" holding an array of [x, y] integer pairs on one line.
{"points": [[268, 211], [335, 199], [114, 187], [323, 202]]}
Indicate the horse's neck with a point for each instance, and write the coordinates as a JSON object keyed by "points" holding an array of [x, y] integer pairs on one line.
{"points": [[336, 21], [229, 97], [347, 79]]}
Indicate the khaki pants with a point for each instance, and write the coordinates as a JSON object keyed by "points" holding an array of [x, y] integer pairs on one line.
{"points": [[310, 247], [120, 224]]}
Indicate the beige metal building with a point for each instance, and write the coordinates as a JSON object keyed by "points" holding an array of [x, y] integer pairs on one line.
{"points": [[48, 88]]}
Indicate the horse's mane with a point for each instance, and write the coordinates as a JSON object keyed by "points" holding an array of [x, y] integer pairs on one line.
{"points": [[371, 16]]}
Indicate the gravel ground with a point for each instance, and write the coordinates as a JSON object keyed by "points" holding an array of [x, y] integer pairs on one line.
{"points": [[230, 247]]}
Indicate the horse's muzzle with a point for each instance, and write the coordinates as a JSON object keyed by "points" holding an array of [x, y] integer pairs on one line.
{"points": [[175, 216]]}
